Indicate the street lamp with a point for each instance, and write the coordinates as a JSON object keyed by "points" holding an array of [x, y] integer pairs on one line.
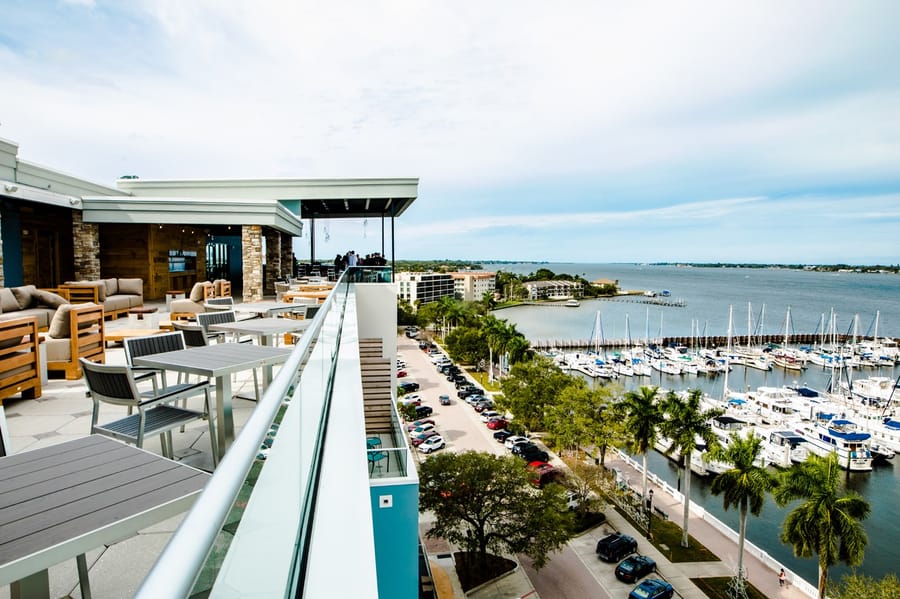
{"points": [[648, 503]]}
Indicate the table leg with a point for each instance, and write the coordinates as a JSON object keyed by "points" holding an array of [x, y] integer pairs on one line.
{"points": [[225, 413], [84, 583], [34, 586]]}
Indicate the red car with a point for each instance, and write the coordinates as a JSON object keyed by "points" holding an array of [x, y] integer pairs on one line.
{"points": [[495, 424], [542, 473], [401, 374], [416, 441], [418, 423]]}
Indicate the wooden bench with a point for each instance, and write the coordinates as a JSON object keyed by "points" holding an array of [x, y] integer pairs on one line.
{"points": [[19, 358], [86, 339]]}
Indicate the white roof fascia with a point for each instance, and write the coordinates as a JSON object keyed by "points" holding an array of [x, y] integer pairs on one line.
{"points": [[274, 189], [42, 177], [190, 211], [21, 191]]}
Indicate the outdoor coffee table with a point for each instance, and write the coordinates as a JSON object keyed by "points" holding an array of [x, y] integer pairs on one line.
{"points": [[219, 361], [265, 329], [61, 501], [120, 335]]}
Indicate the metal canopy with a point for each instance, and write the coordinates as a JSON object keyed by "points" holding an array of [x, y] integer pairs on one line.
{"points": [[353, 207]]}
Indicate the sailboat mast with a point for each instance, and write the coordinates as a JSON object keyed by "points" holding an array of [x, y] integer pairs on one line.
{"points": [[728, 354]]}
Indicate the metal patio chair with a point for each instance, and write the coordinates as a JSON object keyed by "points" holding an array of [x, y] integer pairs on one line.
{"points": [[155, 413]]}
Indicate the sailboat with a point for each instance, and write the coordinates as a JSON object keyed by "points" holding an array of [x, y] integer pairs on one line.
{"points": [[785, 357]]}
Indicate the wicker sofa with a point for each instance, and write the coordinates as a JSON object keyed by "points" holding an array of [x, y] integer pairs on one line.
{"points": [[27, 300], [117, 296]]}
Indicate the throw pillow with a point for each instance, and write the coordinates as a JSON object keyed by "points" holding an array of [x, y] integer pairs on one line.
{"points": [[8, 302], [24, 295], [51, 300], [112, 286], [59, 326], [131, 286], [197, 291]]}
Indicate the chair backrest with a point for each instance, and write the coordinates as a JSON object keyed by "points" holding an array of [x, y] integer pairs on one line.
{"points": [[220, 301], [136, 347], [207, 318], [193, 334], [311, 311], [110, 383]]}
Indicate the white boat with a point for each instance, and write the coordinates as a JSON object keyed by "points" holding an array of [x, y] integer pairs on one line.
{"points": [[784, 448], [665, 366], [875, 390], [842, 437], [572, 303], [723, 426]]}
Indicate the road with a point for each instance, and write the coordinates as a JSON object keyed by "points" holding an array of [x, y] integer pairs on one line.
{"points": [[570, 573]]}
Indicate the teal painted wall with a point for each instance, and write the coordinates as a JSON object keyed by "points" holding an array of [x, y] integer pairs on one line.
{"points": [[396, 541]]}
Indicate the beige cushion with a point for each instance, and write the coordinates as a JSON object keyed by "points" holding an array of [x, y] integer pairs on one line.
{"points": [[59, 326], [24, 295], [197, 291], [112, 286], [186, 305], [131, 286], [51, 300], [8, 302]]}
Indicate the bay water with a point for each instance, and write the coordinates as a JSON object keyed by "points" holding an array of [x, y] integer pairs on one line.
{"points": [[762, 297]]}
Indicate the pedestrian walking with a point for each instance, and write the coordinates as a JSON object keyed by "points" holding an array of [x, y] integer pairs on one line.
{"points": [[781, 578]]}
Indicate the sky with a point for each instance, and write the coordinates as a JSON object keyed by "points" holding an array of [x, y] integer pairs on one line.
{"points": [[575, 131]]}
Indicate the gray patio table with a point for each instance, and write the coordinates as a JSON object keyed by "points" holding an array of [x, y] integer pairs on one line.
{"points": [[219, 361], [61, 501], [264, 308], [265, 329]]}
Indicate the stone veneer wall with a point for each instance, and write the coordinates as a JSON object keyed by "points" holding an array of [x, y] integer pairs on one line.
{"points": [[86, 238], [251, 255], [287, 254], [273, 260]]}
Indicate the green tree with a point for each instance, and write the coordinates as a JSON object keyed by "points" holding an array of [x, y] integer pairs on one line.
{"points": [[827, 522], [466, 345], [745, 484], [643, 416], [495, 337], [854, 586], [429, 315], [483, 503], [584, 416], [685, 422], [530, 388], [405, 313]]}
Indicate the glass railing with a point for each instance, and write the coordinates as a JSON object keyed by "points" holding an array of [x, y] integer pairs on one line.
{"points": [[293, 415]]}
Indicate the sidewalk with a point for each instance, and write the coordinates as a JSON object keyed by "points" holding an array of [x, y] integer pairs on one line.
{"points": [[761, 575]]}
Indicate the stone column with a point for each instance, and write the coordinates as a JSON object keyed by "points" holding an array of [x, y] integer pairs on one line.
{"points": [[86, 237], [273, 260], [251, 253], [287, 254]]}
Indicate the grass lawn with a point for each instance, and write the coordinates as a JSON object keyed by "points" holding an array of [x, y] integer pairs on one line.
{"points": [[717, 588], [667, 538]]}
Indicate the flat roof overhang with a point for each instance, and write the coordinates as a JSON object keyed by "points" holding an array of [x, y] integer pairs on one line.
{"points": [[306, 198], [190, 211]]}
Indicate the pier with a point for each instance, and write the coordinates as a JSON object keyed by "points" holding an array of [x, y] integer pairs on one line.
{"points": [[688, 341]]}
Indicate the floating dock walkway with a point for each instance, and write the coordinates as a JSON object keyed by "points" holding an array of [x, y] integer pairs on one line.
{"points": [[708, 341]]}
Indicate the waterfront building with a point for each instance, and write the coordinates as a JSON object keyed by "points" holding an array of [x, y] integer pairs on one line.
{"points": [[471, 286], [420, 288], [553, 290]]}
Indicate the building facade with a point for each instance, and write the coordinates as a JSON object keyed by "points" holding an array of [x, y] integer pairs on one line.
{"points": [[471, 286], [420, 288], [554, 290]]}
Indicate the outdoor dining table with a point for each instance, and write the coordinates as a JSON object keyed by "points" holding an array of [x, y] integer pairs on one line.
{"points": [[62, 501], [219, 361], [264, 329], [264, 308]]}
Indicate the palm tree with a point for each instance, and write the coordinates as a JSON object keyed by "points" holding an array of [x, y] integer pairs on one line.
{"points": [[643, 417], [827, 522], [684, 423], [494, 333], [744, 485]]}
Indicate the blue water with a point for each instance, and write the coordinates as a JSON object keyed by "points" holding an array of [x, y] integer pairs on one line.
{"points": [[708, 293]]}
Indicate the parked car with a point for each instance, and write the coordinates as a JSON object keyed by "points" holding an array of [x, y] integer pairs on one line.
{"points": [[614, 547], [445, 400], [497, 423], [424, 428], [532, 453], [652, 588], [488, 414], [432, 444], [463, 393], [401, 373], [483, 405], [419, 439], [423, 345], [418, 423], [513, 440], [501, 436], [635, 567], [423, 411], [541, 474], [407, 400], [409, 386]]}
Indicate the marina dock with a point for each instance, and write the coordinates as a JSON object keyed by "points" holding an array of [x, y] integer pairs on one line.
{"points": [[688, 341]]}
